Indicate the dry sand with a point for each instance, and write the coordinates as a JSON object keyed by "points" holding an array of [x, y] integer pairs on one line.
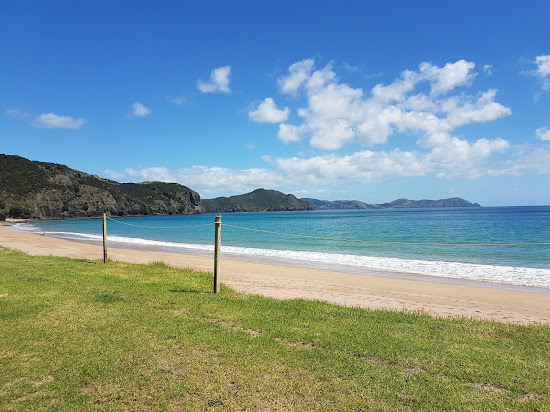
{"points": [[526, 306]]}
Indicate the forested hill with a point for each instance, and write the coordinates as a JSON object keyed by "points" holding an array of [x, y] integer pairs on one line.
{"points": [[260, 200], [31, 189]]}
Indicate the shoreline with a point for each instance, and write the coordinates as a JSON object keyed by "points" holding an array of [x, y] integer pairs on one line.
{"points": [[400, 292]]}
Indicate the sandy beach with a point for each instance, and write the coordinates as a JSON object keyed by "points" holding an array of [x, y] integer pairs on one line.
{"points": [[356, 290]]}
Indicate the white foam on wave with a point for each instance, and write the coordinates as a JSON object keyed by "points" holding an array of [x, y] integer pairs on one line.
{"points": [[522, 276], [457, 270]]}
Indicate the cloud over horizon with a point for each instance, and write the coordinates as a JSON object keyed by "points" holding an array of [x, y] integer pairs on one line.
{"points": [[425, 105]]}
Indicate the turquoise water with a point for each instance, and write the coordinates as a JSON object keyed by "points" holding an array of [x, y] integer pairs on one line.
{"points": [[468, 227]]}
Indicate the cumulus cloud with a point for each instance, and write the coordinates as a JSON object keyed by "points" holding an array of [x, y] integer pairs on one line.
{"points": [[543, 70], [289, 133], [47, 120], [267, 112], [543, 133], [337, 114], [219, 81], [457, 158], [54, 121], [488, 68], [297, 74], [543, 65], [139, 110]]}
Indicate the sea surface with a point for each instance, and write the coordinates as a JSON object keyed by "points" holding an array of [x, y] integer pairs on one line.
{"points": [[502, 245]]}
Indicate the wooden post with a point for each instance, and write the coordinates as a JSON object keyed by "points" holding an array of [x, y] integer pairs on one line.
{"points": [[217, 242], [104, 238]]}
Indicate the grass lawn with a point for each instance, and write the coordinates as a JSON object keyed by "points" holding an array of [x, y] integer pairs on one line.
{"points": [[83, 335]]}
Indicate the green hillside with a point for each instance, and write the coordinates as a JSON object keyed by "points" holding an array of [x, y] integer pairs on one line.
{"points": [[31, 189], [338, 204], [260, 200]]}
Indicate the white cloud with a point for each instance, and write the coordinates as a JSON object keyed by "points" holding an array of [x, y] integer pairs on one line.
{"points": [[210, 181], [446, 78], [457, 158], [488, 68], [527, 158], [112, 174], [54, 121], [219, 81], [267, 112], [543, 70], [161, 174], [337, 114], [543, 133], [297, 75], [543, 63], [289, 133], [139, 110], [482, 110], [454, 159]]}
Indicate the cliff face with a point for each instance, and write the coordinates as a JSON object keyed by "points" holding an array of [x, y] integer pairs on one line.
{"points": [[260, 200], [41, 190]]}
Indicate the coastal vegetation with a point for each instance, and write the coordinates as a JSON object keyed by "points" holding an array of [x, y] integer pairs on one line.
{"points": [[260, 200], [77, 334], [31, 189], [39, 190]]}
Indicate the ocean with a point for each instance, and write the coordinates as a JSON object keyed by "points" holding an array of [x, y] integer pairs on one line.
{"points": [[501, 245]]}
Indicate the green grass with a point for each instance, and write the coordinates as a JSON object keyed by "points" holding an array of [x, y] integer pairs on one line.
{"points": [[83, 335]]}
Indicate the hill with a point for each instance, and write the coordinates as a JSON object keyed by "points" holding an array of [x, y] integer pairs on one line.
{"points": [[399, 203], [31, 189], [338, 204], [406, 203], [260, 200]]}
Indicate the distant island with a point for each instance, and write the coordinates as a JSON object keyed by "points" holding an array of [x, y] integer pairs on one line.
{"points": [[396, 204], [40, 190]]}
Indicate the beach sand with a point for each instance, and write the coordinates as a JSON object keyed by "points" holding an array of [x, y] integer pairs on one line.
{"points": [[356, 290]]}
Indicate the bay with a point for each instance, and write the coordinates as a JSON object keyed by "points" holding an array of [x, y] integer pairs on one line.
{"points": [[494, 244]]}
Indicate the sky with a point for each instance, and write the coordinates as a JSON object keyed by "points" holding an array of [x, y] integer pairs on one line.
{"points": [[358, 100]]}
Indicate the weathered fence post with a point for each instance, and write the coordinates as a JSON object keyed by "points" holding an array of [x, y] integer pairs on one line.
{"points": [[217, 242], [104, 238]]}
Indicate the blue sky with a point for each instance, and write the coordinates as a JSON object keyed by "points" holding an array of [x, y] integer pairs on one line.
{"points": [[366, 100]]}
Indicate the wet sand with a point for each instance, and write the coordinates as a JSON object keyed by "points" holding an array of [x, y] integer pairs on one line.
{"points": [[443, 299]]}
